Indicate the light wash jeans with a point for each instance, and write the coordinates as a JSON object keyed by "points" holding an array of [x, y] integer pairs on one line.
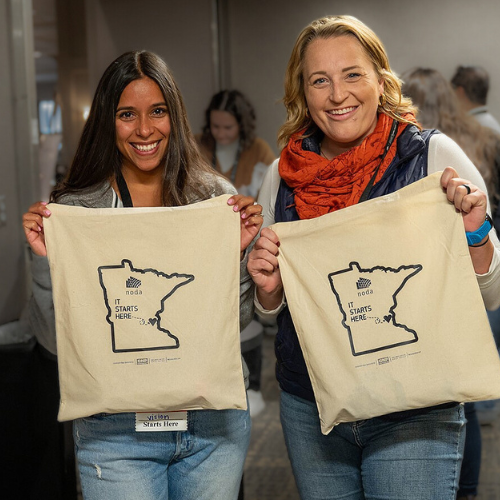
{"points": [[203, 463], [414, 458]]}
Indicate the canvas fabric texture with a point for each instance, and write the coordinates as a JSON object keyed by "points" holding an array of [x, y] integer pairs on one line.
{"points": [[387, 307], [147, 308]]}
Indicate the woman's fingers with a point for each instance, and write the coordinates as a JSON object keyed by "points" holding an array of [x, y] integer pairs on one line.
{"points": [[245, 205], [263, 267], [40, 208], [263, 259], [33, 227], [32, 222], [268, 234], [250, 216], [467, 198]]}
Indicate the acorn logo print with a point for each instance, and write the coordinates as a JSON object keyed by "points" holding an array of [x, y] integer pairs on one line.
{"points": [[133, 282]]}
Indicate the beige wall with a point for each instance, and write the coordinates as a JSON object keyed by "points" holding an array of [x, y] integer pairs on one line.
{"points": [[260, 35], [178, 31]]}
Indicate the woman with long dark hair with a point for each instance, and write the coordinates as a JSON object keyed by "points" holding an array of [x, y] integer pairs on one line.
{"points": [[137, 150], [228, 141]]}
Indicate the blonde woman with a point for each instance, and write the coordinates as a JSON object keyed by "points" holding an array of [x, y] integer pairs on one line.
{"points": [[349, 136]]}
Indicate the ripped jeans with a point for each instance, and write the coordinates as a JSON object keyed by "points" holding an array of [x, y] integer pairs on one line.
{"points": [[203, 463]]}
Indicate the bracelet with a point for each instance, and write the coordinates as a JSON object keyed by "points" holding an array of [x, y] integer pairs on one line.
{"points": [[481, 244], [477, 236]]}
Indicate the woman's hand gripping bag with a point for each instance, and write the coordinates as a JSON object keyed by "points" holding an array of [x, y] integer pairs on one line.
{"points": [[147, 308], [387, 307]]}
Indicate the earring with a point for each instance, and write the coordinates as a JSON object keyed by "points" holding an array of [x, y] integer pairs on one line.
{"points": [[382, 100]]}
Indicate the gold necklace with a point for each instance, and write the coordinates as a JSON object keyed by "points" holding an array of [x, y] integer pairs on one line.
{"points": [[321, 151]]}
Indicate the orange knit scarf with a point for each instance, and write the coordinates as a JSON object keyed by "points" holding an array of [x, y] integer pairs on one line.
{"points": [[321, 186]]}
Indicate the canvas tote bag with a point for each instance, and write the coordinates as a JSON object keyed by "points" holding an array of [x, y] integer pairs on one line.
{"points": [[147, 307], [387, 307]]}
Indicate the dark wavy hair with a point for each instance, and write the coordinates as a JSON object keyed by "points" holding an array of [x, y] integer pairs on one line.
{"points": [[236, 104], [97, 158]]}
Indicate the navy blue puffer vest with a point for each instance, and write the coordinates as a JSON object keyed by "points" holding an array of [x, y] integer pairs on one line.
{"points": [[409, 165]]}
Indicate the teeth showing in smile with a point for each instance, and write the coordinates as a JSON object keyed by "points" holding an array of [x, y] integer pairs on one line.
{"points": [[145, 148], [342, 111]]}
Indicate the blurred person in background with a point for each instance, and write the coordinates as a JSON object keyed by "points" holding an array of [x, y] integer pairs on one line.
{"points": [[228, 142], [439, 108], [471, 84]]}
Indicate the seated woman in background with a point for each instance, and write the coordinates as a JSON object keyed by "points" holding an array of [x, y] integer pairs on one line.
{"points": [[439, 108], [229, 144]]}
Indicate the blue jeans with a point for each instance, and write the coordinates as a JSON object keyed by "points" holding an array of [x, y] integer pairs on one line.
{"points": [[415, 457], [471, 464], [203, 463], [494, 319], [488, 411]]}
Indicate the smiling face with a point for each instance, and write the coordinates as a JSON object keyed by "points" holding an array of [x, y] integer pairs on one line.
{"points": [[342, 91], [142, 127], [224, 127]]}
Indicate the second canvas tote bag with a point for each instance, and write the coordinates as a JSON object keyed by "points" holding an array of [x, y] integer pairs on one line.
{"points": [[387, 306]]}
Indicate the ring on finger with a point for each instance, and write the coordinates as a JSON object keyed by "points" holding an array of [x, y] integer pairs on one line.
{"points": [[466, 186]]}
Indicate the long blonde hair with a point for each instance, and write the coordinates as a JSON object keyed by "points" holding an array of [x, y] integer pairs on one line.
{"points": [[394, 104]]}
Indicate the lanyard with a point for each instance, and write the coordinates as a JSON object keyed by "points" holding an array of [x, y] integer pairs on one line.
{"points": [[390, 140], [124, 192]]}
